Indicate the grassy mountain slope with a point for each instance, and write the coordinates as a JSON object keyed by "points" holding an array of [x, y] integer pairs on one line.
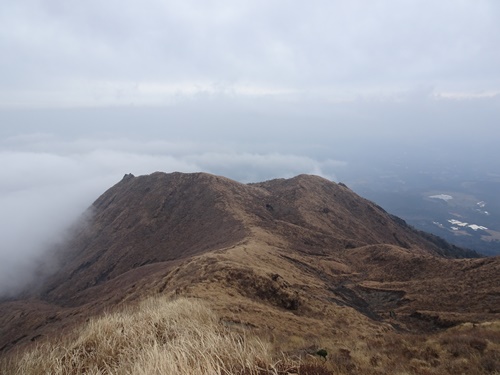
{"points": [[300, 263]]}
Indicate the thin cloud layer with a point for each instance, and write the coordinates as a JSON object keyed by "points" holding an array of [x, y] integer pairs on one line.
{"points": [[159, 52]]}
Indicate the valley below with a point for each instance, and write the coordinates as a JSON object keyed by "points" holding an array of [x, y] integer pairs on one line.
{"points": [[461, 207]]}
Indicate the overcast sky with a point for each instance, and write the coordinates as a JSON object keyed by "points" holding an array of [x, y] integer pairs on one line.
{"points": [[155, 52], [91, 90]]}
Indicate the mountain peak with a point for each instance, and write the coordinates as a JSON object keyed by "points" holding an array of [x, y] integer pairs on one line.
{"points": [[167, 217], [294, 244]]}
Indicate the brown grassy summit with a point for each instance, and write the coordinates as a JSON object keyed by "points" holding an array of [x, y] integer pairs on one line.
{"points": [[146, 220], [169, 217], [302, 261], [332, 211]]}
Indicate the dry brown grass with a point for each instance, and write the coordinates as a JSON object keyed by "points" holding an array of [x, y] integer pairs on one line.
{"points": [[160, 337], [181, 336], [184, 336], [466, 349]]}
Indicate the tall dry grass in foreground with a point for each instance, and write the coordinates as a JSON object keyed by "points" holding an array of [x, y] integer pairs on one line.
{"points": [[159, 337], [185, 337]]}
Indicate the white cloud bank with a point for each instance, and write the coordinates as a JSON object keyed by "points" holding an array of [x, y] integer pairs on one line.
{"points": [[47, 183]]}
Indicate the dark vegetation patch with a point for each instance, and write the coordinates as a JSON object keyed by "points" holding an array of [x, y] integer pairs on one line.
{"points": [[271, 289]]}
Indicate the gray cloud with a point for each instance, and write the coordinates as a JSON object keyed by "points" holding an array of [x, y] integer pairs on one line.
{"points": [[95, 53]]}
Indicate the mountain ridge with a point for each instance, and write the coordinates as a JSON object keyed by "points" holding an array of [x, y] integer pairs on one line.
{"points": [[305, 251], [173, 216]]}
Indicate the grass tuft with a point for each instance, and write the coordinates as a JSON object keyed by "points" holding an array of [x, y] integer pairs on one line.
{"points": [[158, 337]]}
